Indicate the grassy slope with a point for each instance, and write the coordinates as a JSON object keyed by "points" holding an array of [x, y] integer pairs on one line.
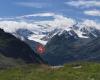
{"points": [[6, 62], [88, 71]]}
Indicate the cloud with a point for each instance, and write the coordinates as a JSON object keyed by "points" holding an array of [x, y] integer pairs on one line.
{"points": [[59, 21], [32, 4], [49, 14], [12, 26], [84, 3], [91, 23], [92, 12], [9, 18], [38, 14], [36, 27]]}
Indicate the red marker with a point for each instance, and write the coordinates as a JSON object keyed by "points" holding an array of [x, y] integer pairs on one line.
{"points": [[40, 49]]}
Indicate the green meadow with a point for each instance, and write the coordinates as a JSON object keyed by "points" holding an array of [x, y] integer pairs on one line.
{"points": [[72, 71]]}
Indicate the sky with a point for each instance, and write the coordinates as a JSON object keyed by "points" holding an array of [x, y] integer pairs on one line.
{"points": [[77, 9], [57, 12]]}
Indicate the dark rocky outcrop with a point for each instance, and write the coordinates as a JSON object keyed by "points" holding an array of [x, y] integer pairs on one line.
{"points": [[11, 47]]}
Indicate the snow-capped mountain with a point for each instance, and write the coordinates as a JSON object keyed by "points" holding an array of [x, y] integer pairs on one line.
{"points": [[43, 31], [64, 39]]}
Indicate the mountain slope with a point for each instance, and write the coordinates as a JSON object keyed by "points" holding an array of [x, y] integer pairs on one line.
{"points": [[15, 49], [67, 48], [63, 43]]}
